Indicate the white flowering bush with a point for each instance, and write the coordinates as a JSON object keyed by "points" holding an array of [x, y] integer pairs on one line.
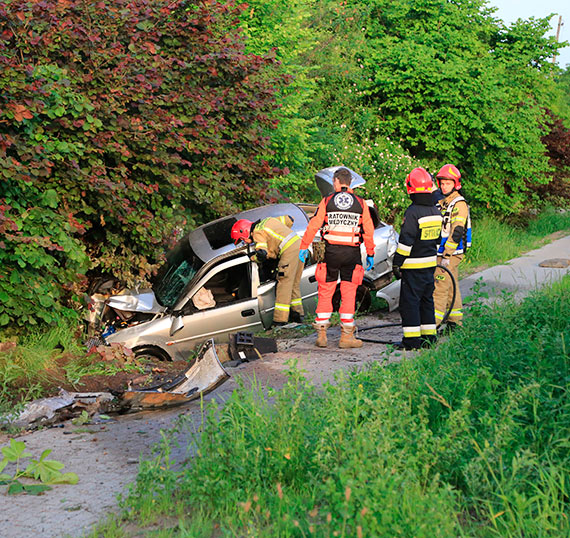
{"points": [[383, 164]]}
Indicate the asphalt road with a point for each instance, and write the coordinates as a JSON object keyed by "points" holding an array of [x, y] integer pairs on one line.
{"points": [[105, 456]]}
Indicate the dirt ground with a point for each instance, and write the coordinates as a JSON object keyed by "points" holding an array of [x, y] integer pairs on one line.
{"points": [[106, 456]]}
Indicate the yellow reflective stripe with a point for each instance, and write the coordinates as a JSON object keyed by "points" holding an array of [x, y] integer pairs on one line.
{"points": [[289, 243], [419, 263], [458, 219], [428, 329], [450, 244], [439, 315], [285, 307], [296, 302], [261, 245], [404, 250], [272, 233], [410, 332], [428, 222]]}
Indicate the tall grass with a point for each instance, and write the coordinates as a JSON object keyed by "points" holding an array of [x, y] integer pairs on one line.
{"points": [[25, 368], [471, 438], [496, 241]]}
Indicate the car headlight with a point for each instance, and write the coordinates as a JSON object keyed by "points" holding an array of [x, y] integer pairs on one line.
{"points": [[392, 243]]}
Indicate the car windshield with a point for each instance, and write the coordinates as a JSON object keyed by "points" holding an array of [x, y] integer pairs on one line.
{"points": [[180, 267]]}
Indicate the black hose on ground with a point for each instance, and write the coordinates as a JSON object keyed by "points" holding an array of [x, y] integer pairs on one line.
{"points": [[384, 325]]}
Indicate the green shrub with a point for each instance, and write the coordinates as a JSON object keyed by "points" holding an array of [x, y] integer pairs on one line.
{"points": [[122, 122]]}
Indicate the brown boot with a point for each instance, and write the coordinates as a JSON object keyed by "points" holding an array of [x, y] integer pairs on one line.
{"points": [[321, 329], [347, 338]]}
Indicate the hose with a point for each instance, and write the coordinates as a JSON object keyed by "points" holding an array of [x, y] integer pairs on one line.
{"points": [[384, 325]]}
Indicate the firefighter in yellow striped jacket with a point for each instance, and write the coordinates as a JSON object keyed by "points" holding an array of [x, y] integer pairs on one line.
{"points": [[455, 239], [274, 239]]}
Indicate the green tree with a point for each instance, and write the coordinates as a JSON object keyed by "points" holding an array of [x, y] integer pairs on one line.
{"points": [[561, 106], [453, 85]]}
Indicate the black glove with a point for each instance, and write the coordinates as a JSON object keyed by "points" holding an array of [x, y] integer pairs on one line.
{"points": [[397, 272], [261, 255]]}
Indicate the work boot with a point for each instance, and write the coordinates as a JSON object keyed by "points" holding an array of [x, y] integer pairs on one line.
{"points": [[295, 317], [347, 338], [321, 329], [428, 340], [447, 328]]}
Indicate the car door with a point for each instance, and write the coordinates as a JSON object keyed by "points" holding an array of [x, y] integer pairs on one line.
{"points": [[234, 289], [309, 293]]}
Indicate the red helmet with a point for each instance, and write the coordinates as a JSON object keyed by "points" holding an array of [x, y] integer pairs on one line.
{"points": [[448, 171], [419, 181], [241, 230]]}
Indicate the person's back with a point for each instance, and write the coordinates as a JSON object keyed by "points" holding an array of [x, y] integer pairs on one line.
{"points": [[345, 221], [274, 235], [422, 232], [415, 261]]}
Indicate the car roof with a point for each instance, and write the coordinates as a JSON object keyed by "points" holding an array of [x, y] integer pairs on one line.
{"points": [[212, 239]]}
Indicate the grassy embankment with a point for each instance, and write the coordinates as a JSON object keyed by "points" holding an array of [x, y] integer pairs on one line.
{"points": [[496, 241], [37, 364], [471, 438]]}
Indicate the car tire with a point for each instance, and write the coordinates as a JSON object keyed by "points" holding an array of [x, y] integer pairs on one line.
{"points": [[152, 353], [363, 299]]}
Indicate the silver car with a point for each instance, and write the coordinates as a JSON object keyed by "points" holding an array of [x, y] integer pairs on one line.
{"points": [[209, 288]]}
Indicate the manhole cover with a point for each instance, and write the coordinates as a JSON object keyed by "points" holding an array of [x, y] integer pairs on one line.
{"points": [[557, 263]]}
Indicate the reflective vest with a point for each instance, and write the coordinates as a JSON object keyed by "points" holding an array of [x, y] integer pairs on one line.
{"points": [[344, 220], [448, 223]]}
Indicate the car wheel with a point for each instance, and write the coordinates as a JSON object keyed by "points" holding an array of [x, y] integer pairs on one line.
{"points": [[363, 299], [151, 353]]}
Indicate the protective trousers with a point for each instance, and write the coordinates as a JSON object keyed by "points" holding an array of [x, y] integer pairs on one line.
{"points": [[351, 275], [416, 307], [288, 293], [443, 293]]}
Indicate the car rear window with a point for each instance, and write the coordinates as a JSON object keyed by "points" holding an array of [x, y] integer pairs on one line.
{"points": [[218, 233]]}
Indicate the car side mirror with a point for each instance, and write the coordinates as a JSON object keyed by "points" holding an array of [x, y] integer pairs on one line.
{"points": [[177, 324]]}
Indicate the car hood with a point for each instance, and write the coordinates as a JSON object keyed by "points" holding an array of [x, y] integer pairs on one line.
{"points": [[136, 301]]}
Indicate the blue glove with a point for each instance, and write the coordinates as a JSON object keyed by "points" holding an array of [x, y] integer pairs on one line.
{"points": [[369, 262], [303, 254]]}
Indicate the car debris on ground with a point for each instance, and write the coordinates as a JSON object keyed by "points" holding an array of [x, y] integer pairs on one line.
{"points": [[205, 374]]}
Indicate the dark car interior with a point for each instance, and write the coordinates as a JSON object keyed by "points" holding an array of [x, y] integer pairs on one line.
{"points": [[228, 286]]}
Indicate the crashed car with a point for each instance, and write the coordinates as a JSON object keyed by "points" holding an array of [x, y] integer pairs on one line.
{"points": [[209, 288]]}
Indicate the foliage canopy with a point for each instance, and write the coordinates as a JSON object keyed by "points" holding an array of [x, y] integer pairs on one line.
{"points": [[121, 122]]}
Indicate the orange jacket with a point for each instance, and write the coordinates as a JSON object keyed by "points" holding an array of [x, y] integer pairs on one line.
{"points": [[345, 220]]}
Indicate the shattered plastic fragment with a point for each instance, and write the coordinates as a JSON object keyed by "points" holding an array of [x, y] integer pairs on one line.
{"points": [[202, 377]]}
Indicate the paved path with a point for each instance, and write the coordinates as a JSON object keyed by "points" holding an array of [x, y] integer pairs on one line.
{"points": [[105, 457], [523, 274]]}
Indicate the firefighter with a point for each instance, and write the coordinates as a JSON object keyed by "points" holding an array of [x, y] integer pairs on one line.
{"points": [[344, 220], [274, 239], [415, 261], [455, 239]]}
